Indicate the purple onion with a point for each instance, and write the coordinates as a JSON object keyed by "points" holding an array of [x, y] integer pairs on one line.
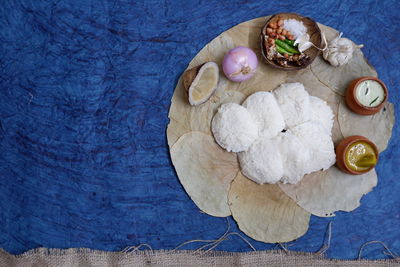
{"points": [[239, 64]]}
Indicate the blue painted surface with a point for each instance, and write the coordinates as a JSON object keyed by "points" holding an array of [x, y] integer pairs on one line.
{"points": [[85, 88]]}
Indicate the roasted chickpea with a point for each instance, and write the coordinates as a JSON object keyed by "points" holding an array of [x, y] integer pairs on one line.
{"points": [[273, 25]]}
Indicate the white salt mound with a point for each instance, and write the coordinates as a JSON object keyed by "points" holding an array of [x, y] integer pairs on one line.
{"points": [[265, 110], [294, 103], [320, 112], [295, 157], [295, 27], [234, 128], [262, 162]]}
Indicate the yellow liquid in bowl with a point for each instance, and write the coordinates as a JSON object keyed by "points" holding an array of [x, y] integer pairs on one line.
{"points": [[360, 156]]}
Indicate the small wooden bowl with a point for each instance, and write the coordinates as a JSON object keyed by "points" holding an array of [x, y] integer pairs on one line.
{"points": [[342, 148], [313, 31], [355, 105]]}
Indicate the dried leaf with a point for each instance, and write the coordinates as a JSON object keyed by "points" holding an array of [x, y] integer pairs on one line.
{"points": [[205, 171], [325, 192], [185, 118], [214, 51], [377, 127], [265, 213], [357, 66], [266, 78]]}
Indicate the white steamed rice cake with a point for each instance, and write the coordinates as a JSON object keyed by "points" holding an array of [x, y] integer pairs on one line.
{"points": [[262, 162], [265, 110], [295, 156], [281, 136], [321, 113], [322, 151], [294, 103], [234, 128]]}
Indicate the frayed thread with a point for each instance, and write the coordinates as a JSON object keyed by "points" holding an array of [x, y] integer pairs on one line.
{"points": [[212, 244], [136, 248], [326, 246], [387, 251]]}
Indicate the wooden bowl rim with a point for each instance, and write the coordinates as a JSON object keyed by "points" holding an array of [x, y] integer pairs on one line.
{"points": [[291, 68]]}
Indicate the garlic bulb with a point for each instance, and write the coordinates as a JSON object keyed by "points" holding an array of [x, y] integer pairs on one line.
{"points": [[339, 51]]}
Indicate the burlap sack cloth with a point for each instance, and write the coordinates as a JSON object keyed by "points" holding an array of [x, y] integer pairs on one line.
{"points": [[43, 257]]}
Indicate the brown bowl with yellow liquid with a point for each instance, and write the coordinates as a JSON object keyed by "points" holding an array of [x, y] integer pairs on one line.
{"points": [[356, 155]]}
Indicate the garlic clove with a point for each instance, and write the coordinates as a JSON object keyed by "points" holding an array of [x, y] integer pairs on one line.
{"points": [[343, 58], [334, 62], [302, 39], [304, 46], [303, 42]]}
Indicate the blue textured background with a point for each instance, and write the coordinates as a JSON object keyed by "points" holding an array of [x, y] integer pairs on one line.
{"points": [[85, 88]]}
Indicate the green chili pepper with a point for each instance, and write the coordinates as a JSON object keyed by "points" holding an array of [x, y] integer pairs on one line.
{"points": [[287, 47], [281, 50], [290, 42]]}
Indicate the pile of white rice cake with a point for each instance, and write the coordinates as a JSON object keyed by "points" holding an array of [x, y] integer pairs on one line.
{"points": [[280, 135]]}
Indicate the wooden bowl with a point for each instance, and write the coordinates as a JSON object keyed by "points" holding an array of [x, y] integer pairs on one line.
{"points": [[355, 105], [342, 148], [313, 31]]}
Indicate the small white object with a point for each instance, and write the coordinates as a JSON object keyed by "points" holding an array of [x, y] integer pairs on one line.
{"points": [[370, 93], [265, 110], [339, 51], [303, 42], [234, 128], [321, 113], [262, 163], [294, 103]]}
